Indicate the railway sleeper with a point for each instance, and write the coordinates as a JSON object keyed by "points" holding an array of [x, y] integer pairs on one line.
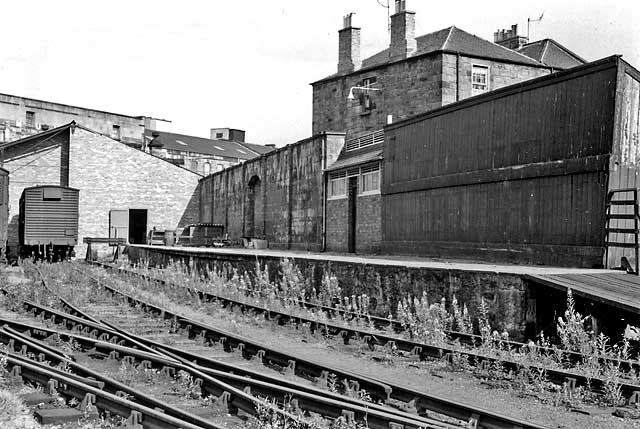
{"points": [[53, 384], [240, 382], [398, 393]]}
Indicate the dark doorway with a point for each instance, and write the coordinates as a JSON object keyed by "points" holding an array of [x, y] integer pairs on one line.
{"points": [[351, 221], [137, 226]]}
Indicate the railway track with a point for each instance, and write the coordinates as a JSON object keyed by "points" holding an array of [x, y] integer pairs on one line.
{"points": [[305, 398], [91, 396], [410, 399], [381, 324], [567, 378]]}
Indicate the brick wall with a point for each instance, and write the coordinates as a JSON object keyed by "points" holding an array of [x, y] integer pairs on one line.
{"points": [[287, 205], [336, 228], [368, 224], [111, 175]]}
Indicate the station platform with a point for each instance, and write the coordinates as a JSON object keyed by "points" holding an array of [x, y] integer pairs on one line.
{"points": [[607, 287]]}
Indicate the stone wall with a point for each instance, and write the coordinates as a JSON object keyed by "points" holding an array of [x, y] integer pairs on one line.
{"points": [[277, 196], [506, 295], [500, 75], [408, 88]]}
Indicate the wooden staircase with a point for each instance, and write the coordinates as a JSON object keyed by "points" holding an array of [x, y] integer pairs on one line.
{"points": [[626, 221]]}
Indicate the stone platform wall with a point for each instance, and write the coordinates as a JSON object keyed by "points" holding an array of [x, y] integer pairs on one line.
{"points": [[507, 296]]}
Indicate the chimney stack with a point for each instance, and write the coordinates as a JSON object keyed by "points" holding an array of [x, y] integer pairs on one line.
{"points": [[348, 46], [403, 32], [509, 38]]}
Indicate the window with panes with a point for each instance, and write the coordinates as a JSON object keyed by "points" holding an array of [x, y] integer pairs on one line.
{"points": [[338, 185], [479, 79]]}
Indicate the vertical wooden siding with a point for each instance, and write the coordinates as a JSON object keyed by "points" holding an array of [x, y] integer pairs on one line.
{"points": [[520, 175], [625, 162]]}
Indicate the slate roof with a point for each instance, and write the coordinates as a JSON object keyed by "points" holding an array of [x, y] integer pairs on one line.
{"points": [[551, 53], [223, 148], [453, 39]]}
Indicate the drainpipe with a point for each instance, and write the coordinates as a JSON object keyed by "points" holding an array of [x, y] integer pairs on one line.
{"points": [[323, 193], [457, 77]]}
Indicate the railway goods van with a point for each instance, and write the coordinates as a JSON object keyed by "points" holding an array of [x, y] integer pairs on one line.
{"points": [[4, 211], [48, 222]]}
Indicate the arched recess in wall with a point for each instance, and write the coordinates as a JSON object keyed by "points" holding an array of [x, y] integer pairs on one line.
{"points": [[254, 214]]}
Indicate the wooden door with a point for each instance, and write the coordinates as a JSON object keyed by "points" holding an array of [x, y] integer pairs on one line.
{"points": [[119, 224]]}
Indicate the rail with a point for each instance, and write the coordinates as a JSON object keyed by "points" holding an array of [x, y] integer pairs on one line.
{"points": [[211, 380], [90, 396], [379, 390], [381, 323]]}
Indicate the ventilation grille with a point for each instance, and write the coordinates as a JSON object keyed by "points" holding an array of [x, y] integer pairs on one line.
{"points": [[365, 140]]}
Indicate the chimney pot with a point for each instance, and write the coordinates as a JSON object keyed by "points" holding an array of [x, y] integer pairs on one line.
{"points": [[401, 6], [347, 20], [509, 38]]}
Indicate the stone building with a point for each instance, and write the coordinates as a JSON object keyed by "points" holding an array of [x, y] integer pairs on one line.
{"points": [[546, 51], [278, 196], [118, 194], [413, 75], [21, 117], [225, 148]]}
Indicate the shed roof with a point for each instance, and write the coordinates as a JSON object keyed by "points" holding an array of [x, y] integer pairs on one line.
{"points": [[50, 132], [205, 146], [452, 39], [71, 125], [552, 54]]}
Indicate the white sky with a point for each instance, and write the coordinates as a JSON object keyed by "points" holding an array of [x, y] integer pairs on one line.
{"points": [[248, 64]]}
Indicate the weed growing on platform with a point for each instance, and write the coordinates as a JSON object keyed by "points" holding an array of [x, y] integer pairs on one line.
{"points": [[571, 330]]}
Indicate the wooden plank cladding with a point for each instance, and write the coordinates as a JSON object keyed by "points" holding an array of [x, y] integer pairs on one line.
{"points": [[518, 174]]}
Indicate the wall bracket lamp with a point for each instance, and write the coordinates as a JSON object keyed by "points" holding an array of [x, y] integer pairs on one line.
{"points": [[363, 88]]}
